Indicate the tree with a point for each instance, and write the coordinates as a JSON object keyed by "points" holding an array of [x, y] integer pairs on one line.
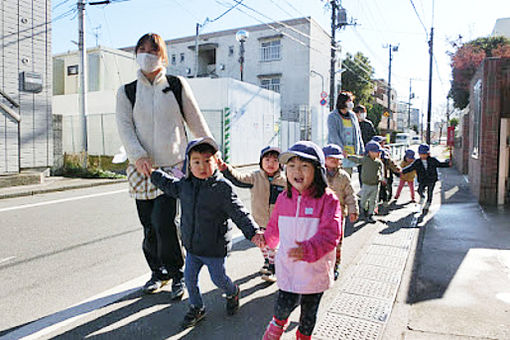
{"points": [[375, 113], [454, 122], [466, 60], [357, 78]]}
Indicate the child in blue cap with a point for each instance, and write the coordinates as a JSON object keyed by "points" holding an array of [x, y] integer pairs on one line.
{"points": [[371, 176], [426, 169], [409, 177]]}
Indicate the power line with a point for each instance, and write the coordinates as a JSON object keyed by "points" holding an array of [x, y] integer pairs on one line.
{"points": [[419, 18], [224, 13]]}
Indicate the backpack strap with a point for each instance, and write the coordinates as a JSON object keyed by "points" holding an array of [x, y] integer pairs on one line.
{"points": [[175, 85], [130, 90]]}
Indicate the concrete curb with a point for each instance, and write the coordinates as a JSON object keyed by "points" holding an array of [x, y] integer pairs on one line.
{"points": [[64, 187]]}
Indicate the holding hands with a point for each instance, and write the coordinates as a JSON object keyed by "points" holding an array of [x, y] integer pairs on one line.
{"points": [[222, 166], [144, 166], [259, 240]]}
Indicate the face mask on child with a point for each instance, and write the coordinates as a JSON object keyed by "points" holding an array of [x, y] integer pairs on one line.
{"points": [[350, 105], [148, 62]]}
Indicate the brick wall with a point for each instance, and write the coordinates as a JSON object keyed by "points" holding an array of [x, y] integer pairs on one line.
{"points": [[25, 46], [483, 170]]}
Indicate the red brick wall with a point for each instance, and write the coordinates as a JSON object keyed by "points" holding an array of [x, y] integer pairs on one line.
{"points": [[461, 148], [483, 171]]}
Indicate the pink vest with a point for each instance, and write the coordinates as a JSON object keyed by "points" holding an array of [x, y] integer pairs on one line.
{"points": [[317, 223]]}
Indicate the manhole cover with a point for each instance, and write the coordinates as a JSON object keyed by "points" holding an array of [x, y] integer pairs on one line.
{"points": [[343, 327], [377, 289], [357, 306]]}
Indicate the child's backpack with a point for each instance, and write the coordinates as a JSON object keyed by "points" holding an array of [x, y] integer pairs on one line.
{"points": [[174, 85]]}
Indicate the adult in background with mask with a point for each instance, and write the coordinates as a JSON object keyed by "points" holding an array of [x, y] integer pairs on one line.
{"points": [[151, 126], [344, 130], [367, 129]]}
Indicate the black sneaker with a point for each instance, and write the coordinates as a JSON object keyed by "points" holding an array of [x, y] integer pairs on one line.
{"points": [[265, 268], [233, 302], [270, 276], [370, 219], [337, 273], [177, 289], [154, 285], [193, 316]]}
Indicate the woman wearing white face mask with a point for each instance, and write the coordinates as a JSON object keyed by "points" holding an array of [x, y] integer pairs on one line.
{"points": [[344, 130], [151, 116]]}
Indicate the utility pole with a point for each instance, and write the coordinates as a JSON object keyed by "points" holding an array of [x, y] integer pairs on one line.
{"points": [[391, 49], [429, 107], [411, 96], [334, 7], [83, 75], [447, 111], [197, 32]]}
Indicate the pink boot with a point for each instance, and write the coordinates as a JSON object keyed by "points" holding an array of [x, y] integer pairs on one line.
{"points": [[275, 329], [300, 336]]}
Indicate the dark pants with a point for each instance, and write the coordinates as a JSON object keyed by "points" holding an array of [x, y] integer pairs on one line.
{"points": [[217, 271], [287, 302], [161, 243], [430, 190], [359, 175]]}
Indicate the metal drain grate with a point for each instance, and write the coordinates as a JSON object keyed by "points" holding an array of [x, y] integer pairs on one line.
{"points": [[377, 273], [377, 249], [377, 289], [357, 306], [343, 327], [384, 261]]}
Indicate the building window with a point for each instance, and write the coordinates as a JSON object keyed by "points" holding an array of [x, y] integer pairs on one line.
{"points": [[270, 50], [230, 51], [272, 84], [477, 114], [72, 70], [173, 59], [182, 57]]}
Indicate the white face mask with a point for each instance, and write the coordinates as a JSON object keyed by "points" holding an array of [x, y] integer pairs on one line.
{"points": [[363, 116], [350, 105], [148, 62]]}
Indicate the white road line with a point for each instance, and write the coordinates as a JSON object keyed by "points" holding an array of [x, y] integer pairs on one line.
{"points": [[7, 259], [24, 206], [53, 322]]}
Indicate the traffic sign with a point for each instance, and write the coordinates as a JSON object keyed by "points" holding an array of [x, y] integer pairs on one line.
{"points": [[324, 94], [323, 101]]}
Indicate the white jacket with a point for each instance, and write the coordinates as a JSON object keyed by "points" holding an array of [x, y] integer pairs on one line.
{"points": [[154, 127]]}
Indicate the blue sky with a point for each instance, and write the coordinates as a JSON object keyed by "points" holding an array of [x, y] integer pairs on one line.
{"points": [[380, 22]]}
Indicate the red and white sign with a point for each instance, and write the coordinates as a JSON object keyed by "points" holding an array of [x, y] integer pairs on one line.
{"points": [[324, 94], [450, 140]]}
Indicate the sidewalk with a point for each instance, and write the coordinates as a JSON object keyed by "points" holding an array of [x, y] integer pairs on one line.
{"points": [[459, 284], [55, 183]]}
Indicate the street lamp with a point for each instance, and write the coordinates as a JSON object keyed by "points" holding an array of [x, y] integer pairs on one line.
{"points": [[242, 36]]}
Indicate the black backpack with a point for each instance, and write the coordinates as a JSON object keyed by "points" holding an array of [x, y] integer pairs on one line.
{"points": [[174, 85]]}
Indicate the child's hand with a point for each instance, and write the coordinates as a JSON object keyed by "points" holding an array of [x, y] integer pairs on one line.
{"points": [[383, 182], [353, 217], [259, 240], [298, 253], [222, 166]]}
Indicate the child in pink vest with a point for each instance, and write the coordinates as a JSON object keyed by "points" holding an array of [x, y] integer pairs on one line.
{"points": [[306, 223]]}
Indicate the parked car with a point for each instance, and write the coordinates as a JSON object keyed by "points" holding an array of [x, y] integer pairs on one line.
{"points": [[415, 140], [403, 138]]}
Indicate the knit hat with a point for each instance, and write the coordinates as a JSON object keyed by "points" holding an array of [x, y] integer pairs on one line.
{"points": [[409, 154], [423, 149], [378, 139], [373, 146], [307, 150], [194, 143], [333, 150]]}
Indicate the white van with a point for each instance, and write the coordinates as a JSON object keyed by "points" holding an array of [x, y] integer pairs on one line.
{"points": [[416, 140], [403, 138]]}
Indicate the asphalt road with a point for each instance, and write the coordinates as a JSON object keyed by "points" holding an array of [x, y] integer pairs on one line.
{"points": [[71, 265]]}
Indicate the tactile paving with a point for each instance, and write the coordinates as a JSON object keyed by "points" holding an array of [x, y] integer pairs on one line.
{"points": [[377, 289], [368, 308], [384, 261], [377, 273], [394, 241], [377, 249], [343, 327]]}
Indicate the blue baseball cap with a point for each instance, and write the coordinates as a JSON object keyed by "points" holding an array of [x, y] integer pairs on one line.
{"points": [[194, 143], [378, 139], [268, 149], [307, 150], [409, 154], [373, 146], [423, 149], [333, 150]]}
